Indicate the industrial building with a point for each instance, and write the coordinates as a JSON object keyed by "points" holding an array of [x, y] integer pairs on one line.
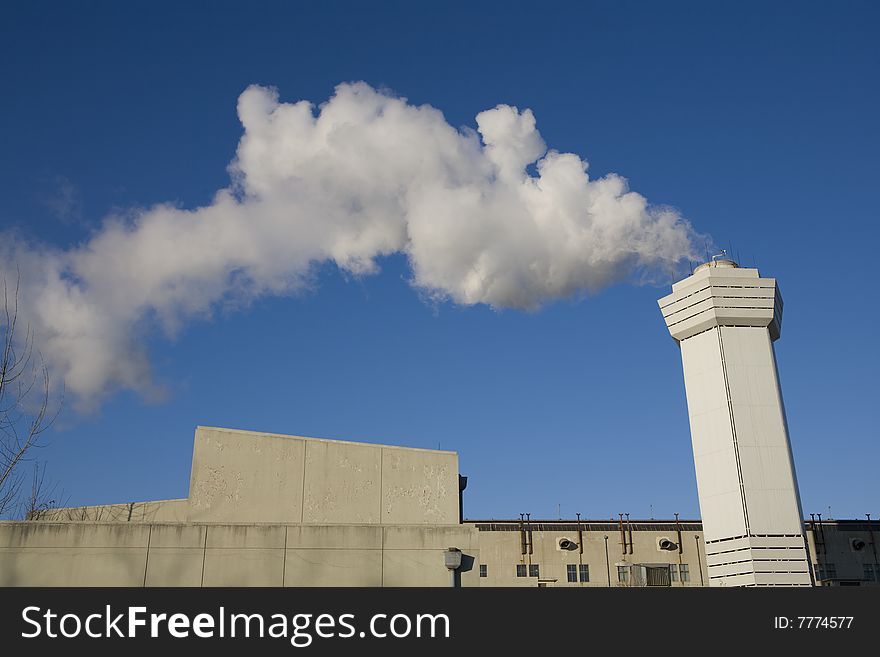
{"points": [[276, 510], [272, 510], [650, 553]]}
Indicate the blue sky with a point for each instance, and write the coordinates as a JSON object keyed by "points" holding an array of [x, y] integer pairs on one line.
{"points": [[757, 123]]}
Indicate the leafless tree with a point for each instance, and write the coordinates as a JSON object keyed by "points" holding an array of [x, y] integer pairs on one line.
{"points": [[25, 396], [43, 496]]}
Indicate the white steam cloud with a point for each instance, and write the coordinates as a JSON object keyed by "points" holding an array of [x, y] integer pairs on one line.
{"points": [[364, 175]]}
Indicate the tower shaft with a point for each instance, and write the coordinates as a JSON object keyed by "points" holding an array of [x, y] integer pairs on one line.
{"points": [[725, 320]]}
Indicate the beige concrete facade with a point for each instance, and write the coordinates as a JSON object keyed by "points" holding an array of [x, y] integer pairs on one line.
{"points": [[246, 476], [139, 554], [649, 553], [253, 477], [530, 554], [132, 553], [273, 510], [263, 510]]}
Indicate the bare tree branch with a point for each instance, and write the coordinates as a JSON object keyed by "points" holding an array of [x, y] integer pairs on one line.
{"points": [[43, 496], [25, 394]]}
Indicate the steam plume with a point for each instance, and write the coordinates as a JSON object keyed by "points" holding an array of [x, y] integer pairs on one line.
{"points": [[364, 175]]}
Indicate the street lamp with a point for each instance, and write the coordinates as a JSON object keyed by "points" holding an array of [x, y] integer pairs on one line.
{"points": [[452, 559]]}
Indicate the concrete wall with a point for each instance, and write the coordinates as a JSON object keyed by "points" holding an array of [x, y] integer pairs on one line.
{"points": [[246, 476], [252, 477], [139, 554], [176, 554], [263, 510]]}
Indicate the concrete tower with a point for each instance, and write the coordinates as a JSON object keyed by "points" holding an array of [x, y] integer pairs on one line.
{"points": [[725, 319]]}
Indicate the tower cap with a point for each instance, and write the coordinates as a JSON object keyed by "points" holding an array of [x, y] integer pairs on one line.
{"points": [[730, 264]]}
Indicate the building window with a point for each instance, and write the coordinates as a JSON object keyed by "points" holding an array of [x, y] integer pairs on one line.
{"points": [[826, 571], [685, 571], [520, 570], [484, 570], [673, 572], [585, 572], [572, 572], [533, 570], [622, 574]]}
